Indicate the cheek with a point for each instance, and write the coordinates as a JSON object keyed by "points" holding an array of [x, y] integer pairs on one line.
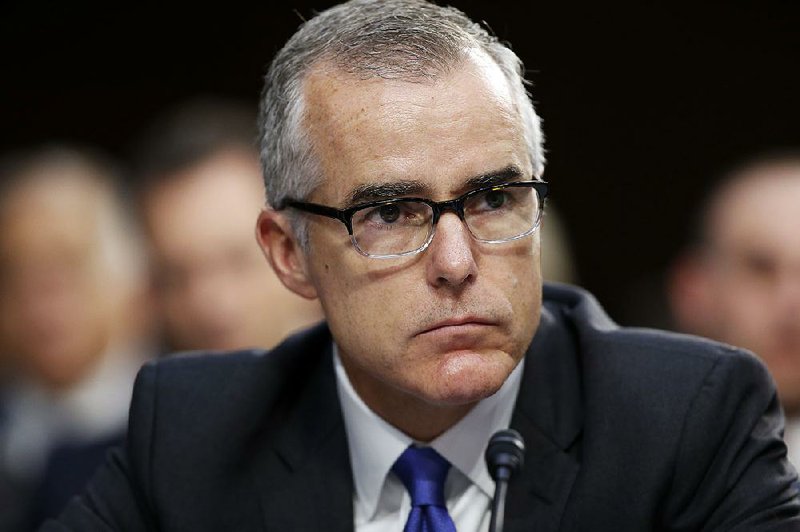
{"points": [[743, 307], [520, 278], [743, 318], [362, 311], [527, 294]]}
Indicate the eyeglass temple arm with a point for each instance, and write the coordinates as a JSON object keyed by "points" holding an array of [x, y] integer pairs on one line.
{"points": [[323, 210]]}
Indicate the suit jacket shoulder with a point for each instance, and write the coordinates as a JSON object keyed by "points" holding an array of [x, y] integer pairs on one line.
{"points": [[243, 441], [654, 430]]}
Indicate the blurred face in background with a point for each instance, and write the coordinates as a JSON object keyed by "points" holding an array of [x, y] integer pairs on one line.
{"points": [[59, 301], [745, 289], [214, 289]]}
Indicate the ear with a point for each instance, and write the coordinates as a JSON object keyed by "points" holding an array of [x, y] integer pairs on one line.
{"points": [[276, 238]]}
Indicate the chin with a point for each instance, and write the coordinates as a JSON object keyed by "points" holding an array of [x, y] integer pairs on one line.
{"points": [[468, 377]]}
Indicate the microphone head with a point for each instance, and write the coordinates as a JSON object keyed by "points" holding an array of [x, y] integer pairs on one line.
{"points": [[505, 453]]}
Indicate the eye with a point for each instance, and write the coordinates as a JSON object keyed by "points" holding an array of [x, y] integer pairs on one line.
{"points": [[394, 215], [495, 198], [389, 213]]}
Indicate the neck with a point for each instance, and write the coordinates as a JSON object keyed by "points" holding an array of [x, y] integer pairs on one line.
{"points": [[419, 419]]}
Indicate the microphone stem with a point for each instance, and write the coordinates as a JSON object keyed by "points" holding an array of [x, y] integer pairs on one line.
{"points": [[499, 500]]}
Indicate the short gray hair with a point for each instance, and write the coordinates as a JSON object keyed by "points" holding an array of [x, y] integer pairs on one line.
{"points": [[394, 39]]}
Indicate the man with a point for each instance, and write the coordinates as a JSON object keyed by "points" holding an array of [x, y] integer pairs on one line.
{"points": [[740, 282], [71, 323], [403, 160], [200, 177]]}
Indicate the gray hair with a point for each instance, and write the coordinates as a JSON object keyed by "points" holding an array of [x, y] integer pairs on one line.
{"points": [[409, 40]]}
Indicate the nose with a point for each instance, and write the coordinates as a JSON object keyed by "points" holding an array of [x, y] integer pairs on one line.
{"points": [[451, 261]]}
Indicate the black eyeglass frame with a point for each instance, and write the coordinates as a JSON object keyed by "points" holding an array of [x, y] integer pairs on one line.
{"points": [[455, 205]]}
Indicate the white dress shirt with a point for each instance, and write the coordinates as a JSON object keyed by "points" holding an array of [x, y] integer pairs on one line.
{"points": [[791, 436], [381, 502]]}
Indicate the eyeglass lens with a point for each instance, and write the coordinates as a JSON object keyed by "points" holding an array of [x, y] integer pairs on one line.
{"points": [[403, 226]]}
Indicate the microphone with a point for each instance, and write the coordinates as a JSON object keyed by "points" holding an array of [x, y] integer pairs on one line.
{"points": [[504, 457]]}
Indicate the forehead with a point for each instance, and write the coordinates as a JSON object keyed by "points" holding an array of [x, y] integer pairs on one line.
{"points": [[761, 210], [439, 132]]}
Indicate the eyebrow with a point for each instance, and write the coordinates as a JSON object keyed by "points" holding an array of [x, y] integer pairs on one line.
{"points": [[380, 191], [498, 177]]}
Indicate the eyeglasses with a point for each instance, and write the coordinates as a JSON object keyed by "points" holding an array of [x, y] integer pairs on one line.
{"points": [[398, 227]]}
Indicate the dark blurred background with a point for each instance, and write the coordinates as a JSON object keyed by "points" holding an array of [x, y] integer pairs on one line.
{"points": [[644, 105]]}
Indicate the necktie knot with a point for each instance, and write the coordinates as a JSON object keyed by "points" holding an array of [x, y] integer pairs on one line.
{"points": [[423, 471]]}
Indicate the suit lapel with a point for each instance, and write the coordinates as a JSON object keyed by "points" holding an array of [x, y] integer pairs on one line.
{"points": [[304, 477], [548, 415]]}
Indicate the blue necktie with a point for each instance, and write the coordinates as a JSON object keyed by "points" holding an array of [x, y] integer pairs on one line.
{"points": [[422, 470]]}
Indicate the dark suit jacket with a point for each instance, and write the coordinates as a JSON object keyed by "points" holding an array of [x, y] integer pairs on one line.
{"points": [[625, 430], [69, 468]]}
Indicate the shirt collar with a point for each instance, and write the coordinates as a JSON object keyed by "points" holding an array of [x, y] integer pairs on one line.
{"points": [[375, 444]]}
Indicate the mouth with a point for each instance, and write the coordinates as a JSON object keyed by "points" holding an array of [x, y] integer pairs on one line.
{"points": [[457, 324]]}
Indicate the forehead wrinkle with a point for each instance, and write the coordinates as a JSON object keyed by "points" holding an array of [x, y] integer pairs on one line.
{"points": [[330, 125]]}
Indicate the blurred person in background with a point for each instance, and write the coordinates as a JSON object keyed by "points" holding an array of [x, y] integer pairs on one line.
{"points": [[200, 193], [740, 282], [558, 264], [71, 325]]}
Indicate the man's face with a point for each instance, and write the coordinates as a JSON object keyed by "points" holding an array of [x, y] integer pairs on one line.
{"points": [[756, 275], [448, 325], [213, 288]]}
